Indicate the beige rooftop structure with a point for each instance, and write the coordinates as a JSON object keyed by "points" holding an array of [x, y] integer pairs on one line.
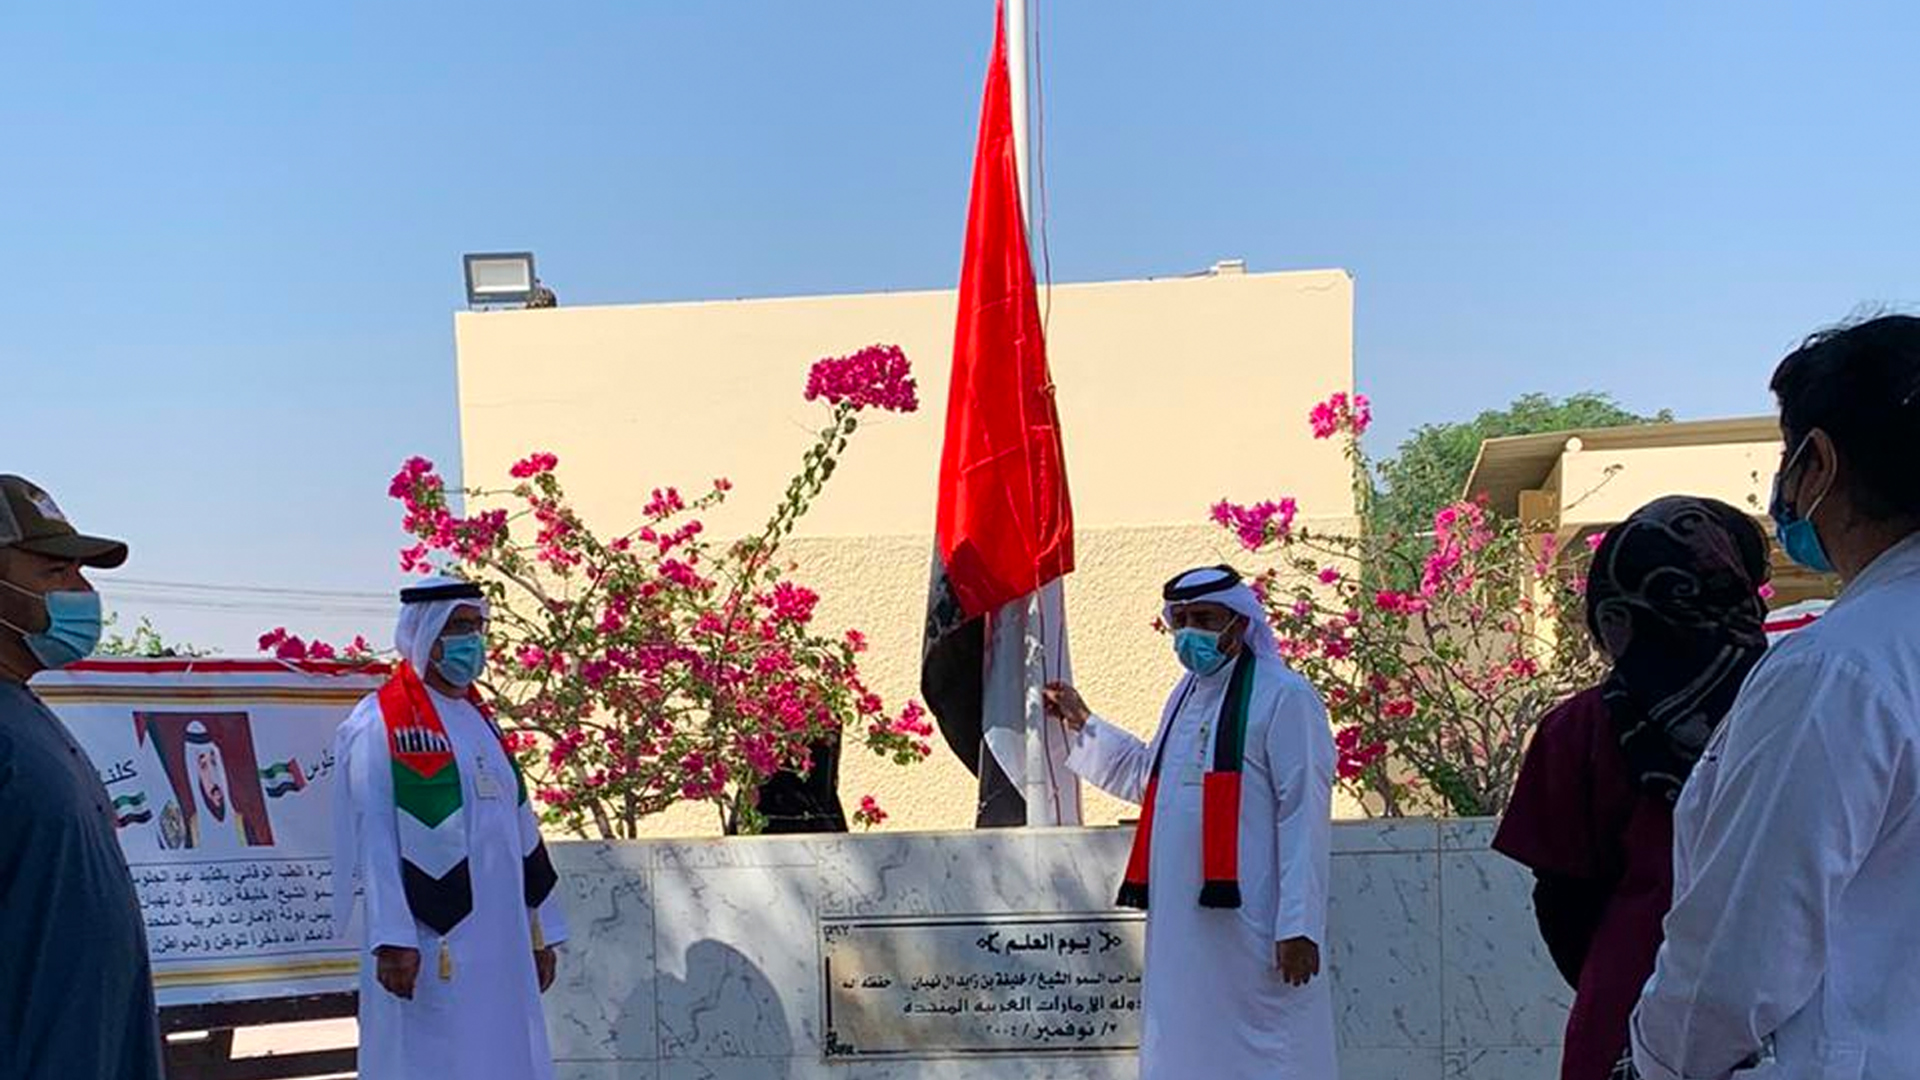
{"points": [[1173, 394], [1575, 483]]}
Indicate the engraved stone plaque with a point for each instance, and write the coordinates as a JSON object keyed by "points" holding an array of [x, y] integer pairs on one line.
{"points": [[987, 985]]}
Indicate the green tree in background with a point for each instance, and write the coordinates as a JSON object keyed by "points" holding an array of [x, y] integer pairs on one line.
{"points": [[1431, 467]]}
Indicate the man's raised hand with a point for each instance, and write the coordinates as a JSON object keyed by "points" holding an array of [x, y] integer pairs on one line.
{"points": [[1065, 704]]}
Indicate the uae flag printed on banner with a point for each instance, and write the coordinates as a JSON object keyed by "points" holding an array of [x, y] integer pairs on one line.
{"points": [[1004, 531]]}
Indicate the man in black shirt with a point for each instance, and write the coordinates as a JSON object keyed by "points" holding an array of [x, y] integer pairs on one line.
{"points": [[76, 991]]}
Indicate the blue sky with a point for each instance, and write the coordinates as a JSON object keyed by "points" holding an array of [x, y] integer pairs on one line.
{"points": [[232, 230]]}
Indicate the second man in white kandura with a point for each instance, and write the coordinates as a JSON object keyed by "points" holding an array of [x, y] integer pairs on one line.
{"points": [[1230, 859]]}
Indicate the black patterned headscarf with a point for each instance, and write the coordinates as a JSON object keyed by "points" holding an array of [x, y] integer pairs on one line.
{"points": [[1673, 597]]}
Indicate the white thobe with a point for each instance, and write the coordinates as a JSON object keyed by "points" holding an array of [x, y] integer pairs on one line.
{"points": [[1215, 1004], [486, 1022], [1796, 912]]}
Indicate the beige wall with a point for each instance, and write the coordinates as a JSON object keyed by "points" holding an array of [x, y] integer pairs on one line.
{"points": [[1590, 490], [1172, 394], [1601, 487]]}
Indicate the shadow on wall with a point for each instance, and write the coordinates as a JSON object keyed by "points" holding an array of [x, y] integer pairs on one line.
{"points": [[721, 988]]}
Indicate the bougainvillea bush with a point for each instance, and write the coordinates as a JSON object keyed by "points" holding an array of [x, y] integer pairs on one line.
{"points": [[1434, 689], [653, 667]]}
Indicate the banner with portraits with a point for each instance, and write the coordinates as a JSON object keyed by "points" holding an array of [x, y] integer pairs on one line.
{"points": [[220, 774]]}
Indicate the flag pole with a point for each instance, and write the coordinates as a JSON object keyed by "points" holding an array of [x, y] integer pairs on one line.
{"points": [[1033, 644], [1051, 796], [1018, 44]]}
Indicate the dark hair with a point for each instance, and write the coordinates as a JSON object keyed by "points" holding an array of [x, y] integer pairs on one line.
{"points": [[1860, 384]]}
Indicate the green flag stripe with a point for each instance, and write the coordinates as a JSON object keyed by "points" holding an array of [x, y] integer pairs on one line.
{"points": [[431, 800], [130, 800]]}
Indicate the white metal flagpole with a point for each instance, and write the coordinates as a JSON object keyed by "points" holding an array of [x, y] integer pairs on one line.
{"points": [[1018, 43], [1052, 794]]}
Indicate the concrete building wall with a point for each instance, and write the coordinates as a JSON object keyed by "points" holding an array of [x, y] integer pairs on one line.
{"points": [[1172, 395], [1603, 487]]}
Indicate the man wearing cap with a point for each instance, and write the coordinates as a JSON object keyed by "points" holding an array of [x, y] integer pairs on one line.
{"points": [[76, 992], [1230, 858], [434, 824]]}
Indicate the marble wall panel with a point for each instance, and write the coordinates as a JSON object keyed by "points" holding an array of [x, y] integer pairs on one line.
{"points": [[738, 962], [986, 873], [1501, 988], [1383, 926], [601, 1007]]}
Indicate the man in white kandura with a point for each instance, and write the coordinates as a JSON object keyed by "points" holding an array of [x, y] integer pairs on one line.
{"points": [[433, 823], [1236, 792]]}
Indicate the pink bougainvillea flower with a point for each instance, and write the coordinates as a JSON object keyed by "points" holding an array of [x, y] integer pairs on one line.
{"points": [[876, 377], [1258, 524], [1324, 422], [1341, 414], [792, 604], [533, 465], [869, 814], [1361, 417], [413, 560], [410, 474], [1398, 603], [1355, 754], [665, 503]]}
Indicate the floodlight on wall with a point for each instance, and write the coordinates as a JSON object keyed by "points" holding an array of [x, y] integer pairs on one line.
{"points": [[500, 277]]}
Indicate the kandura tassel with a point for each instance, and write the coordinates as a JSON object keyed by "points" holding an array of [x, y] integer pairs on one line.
{"points": [[446, 961], [539, 933]]}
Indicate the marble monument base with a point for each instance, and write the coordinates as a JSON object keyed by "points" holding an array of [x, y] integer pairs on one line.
{"points": [[981, 954]]}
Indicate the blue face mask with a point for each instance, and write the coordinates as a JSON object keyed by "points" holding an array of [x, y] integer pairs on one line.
{"points": [[74, 625], [462, 658], [1199, 650], [1795, 530]]}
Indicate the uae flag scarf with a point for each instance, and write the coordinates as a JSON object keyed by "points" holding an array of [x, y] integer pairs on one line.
{"points": [[431, 815], [1219, 802]]}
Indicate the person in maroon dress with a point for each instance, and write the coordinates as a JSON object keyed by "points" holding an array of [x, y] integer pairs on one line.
{"points": [[1673, 598]]}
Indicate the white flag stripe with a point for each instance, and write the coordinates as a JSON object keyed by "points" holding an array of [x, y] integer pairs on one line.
{"points": [[436, 850], [1026, 649]]}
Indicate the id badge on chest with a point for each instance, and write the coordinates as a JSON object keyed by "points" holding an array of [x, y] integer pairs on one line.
{"points": [[1193, 765], [485, 783]]}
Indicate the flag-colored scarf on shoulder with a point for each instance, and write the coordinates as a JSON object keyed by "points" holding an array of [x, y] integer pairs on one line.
{"points": [[1219, 805], [431, 816]]}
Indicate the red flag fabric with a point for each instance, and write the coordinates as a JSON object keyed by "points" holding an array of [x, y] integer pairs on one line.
{"points": [[1005, 524]]}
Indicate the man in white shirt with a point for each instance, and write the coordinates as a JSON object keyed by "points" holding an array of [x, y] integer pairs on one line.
{"points": [[1791, 945]]}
